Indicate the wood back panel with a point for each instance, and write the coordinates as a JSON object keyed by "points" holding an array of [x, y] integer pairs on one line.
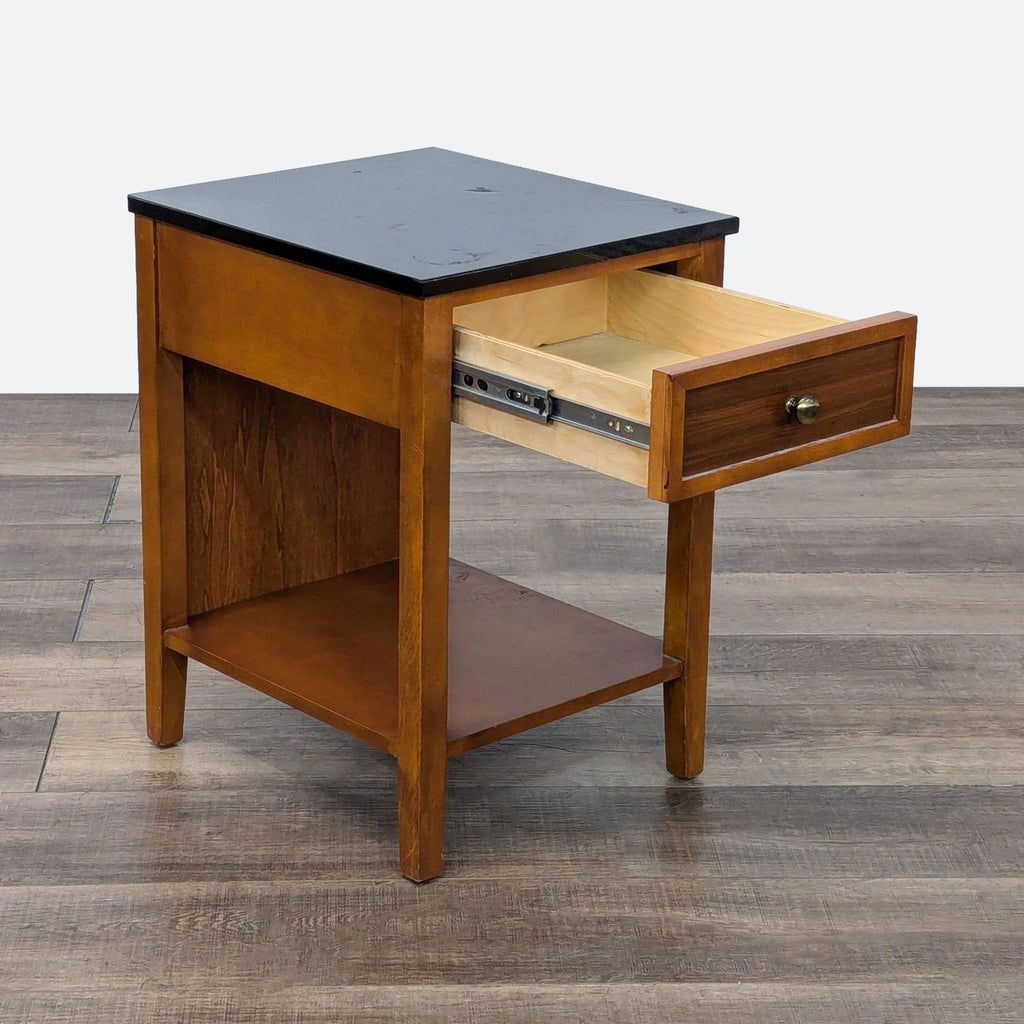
{"points": [[699, 319], [540, 317], [302, 330], [280, 490], [667, 312]]}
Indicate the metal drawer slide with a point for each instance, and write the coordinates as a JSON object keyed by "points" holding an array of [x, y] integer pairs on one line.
{"points": [[537, 403]]}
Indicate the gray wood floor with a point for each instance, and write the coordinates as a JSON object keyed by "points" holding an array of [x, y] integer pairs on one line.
{"points": [[854, 851]]}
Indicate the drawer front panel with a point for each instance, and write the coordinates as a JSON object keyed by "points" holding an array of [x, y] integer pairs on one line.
{"points": [[723, 420], [738, 420]]}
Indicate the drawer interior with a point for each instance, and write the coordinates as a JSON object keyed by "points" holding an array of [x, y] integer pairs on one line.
{"points": [[624, 326], [536, 367]]}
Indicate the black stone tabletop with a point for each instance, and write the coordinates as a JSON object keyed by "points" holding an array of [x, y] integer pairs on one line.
{"points": [[429, 221]]}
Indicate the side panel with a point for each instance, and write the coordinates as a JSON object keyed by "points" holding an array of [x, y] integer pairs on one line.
{"points": [[302, 330]]}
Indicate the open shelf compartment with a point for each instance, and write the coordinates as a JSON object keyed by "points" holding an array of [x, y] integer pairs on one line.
{"points": [[516, 658]]}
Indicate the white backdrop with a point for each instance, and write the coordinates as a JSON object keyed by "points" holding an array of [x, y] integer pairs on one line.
{"points": [[871, 151]]}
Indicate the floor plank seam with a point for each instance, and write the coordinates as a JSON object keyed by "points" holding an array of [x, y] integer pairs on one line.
{"points": [[80, 621], [381, 879], [540, 517], [678, 785], [46, 753], [317, 883], [110, 501]]}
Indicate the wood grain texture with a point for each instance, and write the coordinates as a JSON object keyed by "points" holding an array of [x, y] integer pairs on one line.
{"points": [[592, 451], [281, 491], [69, 453], [588, 271], [102, 676], [707, 264], [589, 931], [287, 831], [721, 419], [113, 612], [715, 420], [691, 533], [626, 1003], [54, 500], [768, 603], [47, 552], [308, 332], [754, 745], [617, 745], [740, 420], [539, 316], [529, 544], [968, 405], [882, 670], [689, 543], [162, 459], [838, 670], [40, 609], [836, 756], [688, 316], [580, 661], [956, 446], [753, 544], [635, 307], [634, 360], [425, 353], [566, 377], [963, 446], [577, 340], [802, 604], [698, 316], [127, 504], [559, 491], [82, 414], [870, 494], [328, 649], [24, 744]]}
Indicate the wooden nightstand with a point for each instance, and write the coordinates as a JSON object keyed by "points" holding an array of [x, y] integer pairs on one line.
{"points": [[306, 339]]}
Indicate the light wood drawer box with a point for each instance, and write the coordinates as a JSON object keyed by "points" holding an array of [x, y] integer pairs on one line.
{"points": [[581, 371]]}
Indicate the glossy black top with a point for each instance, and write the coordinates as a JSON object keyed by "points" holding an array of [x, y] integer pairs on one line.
{"points": [[429, 221]]}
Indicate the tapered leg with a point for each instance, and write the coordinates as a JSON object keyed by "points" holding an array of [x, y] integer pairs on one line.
{"points": [[162, 443], [691, 526], [165, 695], [687, 618], [423, 587]]}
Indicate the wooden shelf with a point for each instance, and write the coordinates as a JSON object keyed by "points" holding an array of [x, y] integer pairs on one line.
{"points": [[517, 659]]}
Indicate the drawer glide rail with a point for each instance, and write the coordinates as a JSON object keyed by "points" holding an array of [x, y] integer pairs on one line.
{"points": [[536, 403]]}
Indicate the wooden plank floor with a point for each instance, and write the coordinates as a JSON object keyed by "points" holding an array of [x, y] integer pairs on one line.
{"points": [[854, 851]]}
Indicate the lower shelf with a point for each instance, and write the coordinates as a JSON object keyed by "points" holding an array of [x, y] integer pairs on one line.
{"points": [[516, 658]]}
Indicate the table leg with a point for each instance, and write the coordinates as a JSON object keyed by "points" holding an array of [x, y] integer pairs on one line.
{"points": [[162, 443], [423, 586], [691, 526]]}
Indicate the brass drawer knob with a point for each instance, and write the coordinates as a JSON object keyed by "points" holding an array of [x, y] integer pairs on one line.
{"points": [[804, 409]]}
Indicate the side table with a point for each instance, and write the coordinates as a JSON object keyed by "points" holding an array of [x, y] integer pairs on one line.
{"points": [[305, 340]]}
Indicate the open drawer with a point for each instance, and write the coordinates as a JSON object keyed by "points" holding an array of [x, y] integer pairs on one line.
{"points": [[678, 386]]}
